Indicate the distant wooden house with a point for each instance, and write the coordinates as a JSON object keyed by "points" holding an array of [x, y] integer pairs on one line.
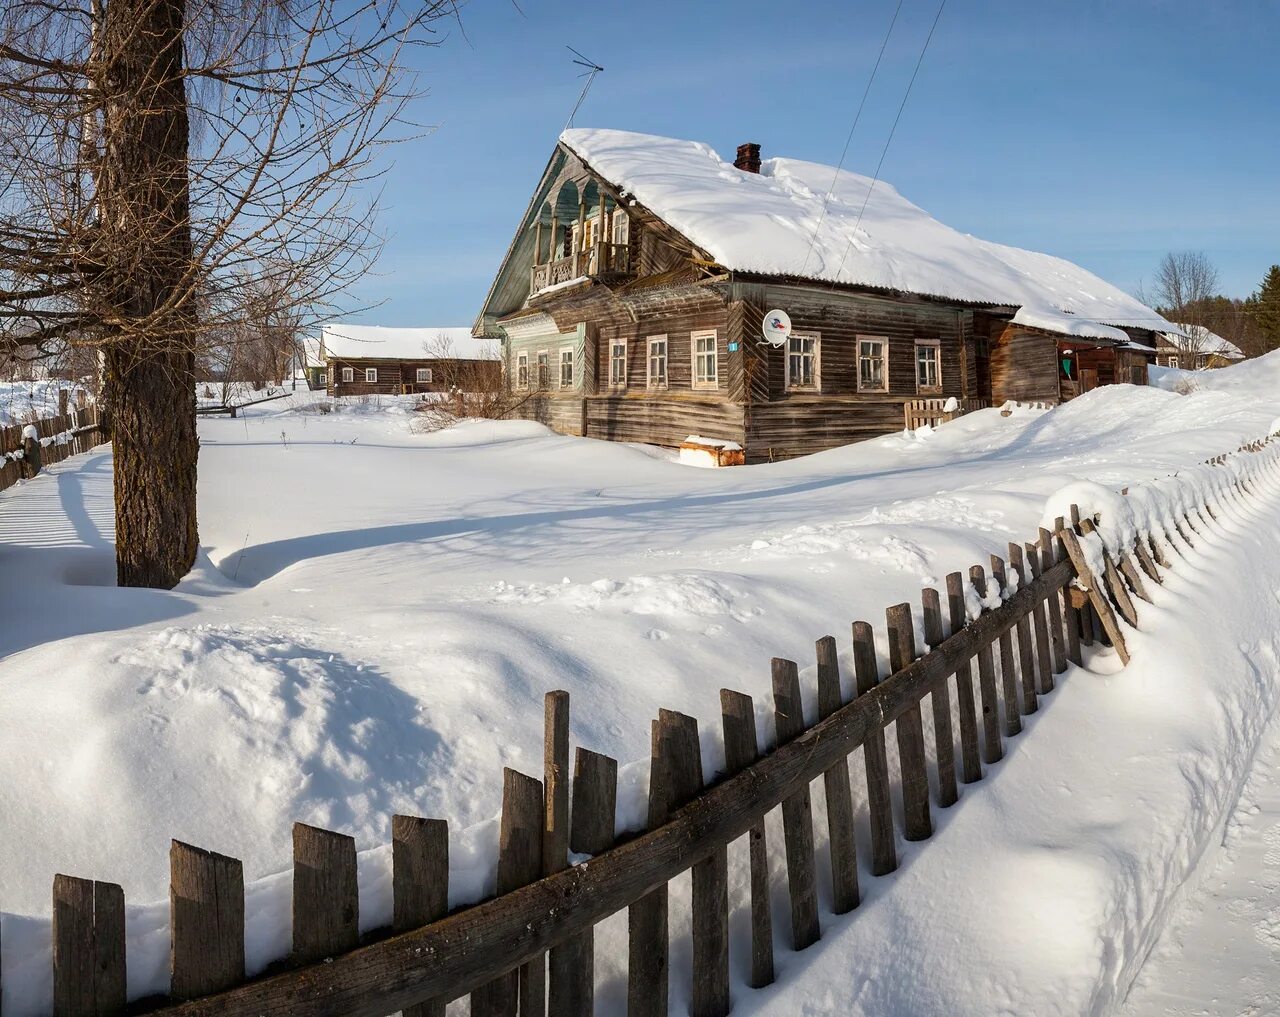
{"points": [[630, 304], [1194, 347], [359, 360]]}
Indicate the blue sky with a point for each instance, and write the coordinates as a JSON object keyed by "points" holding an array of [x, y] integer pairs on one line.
{"points": [[1106, 133]]}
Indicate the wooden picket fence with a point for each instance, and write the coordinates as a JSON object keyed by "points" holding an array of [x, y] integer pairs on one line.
{"points": [[529, 950], [932, 412], [74, 429]]}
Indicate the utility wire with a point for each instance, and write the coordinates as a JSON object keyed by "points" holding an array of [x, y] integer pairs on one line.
{"points": [[884, 151], [857, 116]]}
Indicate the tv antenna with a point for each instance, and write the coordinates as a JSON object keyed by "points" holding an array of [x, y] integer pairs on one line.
{"points": [[591, 70]]}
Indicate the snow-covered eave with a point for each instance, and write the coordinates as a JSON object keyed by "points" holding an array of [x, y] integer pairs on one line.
{"points": [[812, 282]]}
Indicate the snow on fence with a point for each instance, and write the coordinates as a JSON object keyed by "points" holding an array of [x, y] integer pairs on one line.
{"points": [[988, 654], [25, 449]]}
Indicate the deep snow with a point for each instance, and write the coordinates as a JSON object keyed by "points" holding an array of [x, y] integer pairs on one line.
{"points": [[377, 614]]}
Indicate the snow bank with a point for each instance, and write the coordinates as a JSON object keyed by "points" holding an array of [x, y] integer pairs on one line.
{"points": [[23, 401]]}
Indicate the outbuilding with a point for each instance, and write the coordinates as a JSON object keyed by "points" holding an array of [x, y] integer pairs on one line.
{"points": [[377, 360]]}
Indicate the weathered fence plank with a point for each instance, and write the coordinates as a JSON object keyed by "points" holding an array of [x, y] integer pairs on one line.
{"points": [[1097, 599], [1014, 696], [206, 918], [519, 864], [884, 847], [555, 827], [970, 753], [944, 741], [797, 813], [326, 898], [911, 754], [837, 790], [1026, 648], [648, 940], [1040, 624], [993, 748], [741, 750], [595, 797], [1054, 601], [419, 883]]}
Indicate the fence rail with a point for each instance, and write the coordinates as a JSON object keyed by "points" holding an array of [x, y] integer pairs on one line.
{"points": [[531, 946], [27, 448]]}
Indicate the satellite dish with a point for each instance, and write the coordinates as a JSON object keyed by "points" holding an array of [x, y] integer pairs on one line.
{"points": [[776, 327]]}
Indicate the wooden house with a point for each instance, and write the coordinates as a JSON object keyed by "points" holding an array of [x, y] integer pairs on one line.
{"points": [[630, 304], [1195, 348], [375, 360]]}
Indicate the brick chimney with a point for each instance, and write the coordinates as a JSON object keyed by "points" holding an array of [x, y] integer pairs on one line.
{"points": [[748, 158]]}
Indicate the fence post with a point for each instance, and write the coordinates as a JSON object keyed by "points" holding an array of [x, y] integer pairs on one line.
{"points": [[326, 899], [884, 847], [1026, 649], [1015, 701], [797, 813], [206, 919], [835, 782], [741, 750], [519, 863], [970, 760], [910, 727], [944, 742], [88, 948], [1047, 560], [555, 828], [419, 883], [993, 749], [1044, 665]]}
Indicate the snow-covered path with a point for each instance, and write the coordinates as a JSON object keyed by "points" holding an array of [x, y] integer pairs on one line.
{"points": [[1220, 955]]}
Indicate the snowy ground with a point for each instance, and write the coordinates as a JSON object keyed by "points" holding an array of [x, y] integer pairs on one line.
{"points": [[1221, 953], [377, 614], [24, 401]]}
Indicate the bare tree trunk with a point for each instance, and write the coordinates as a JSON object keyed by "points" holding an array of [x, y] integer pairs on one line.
{"points": [[155, 465], [145, 207]]}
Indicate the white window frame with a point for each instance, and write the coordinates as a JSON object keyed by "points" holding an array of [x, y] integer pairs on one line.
{"points": [[620, 228], [572, 367], [661, 381], [706, 383], [936, 346], [348, 375], [419, 375], [614, 360], [543, 362], [884, 362], [816, 384], [371, 376], [522, 369]]}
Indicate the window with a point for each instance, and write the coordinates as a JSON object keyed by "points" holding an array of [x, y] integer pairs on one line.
{"points": [[348, 374], [566, 367], [928, 367], [704, 359], [657, 373], [544, 369], [618, 363], [873, 374], [522, 370], [371, 375], [802, 362], [621, 227], [424, 376]]}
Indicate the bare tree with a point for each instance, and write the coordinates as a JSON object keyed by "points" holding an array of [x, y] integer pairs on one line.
{"points": [[1184, 287], [163, 163]]}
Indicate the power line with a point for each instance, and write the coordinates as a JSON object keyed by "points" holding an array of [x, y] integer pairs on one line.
{"points": [[857, 116], [884, 151]]}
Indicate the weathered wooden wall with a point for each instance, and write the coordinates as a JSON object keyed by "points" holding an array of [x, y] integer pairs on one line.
{"points": [[1024, 364], [399, 376]]}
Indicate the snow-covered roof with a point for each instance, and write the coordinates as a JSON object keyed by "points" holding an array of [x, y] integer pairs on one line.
{"points": [[356, 341], [868, 236], [1204, 341]]}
